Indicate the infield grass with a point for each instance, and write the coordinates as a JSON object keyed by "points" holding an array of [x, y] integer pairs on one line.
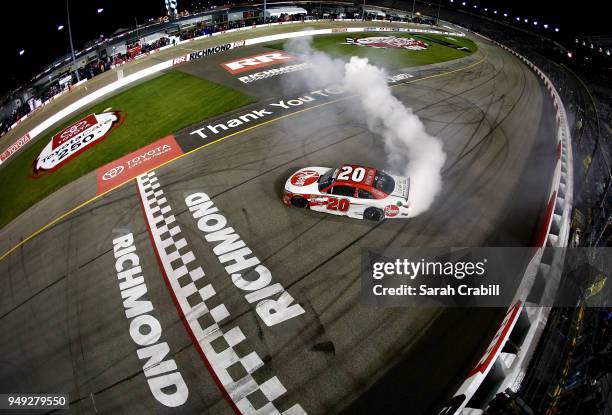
{"points": [[392, 59], [152, 110]]}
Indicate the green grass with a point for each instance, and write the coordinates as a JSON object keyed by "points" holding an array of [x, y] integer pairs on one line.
{"points": [[391, 59], [152, 110]]}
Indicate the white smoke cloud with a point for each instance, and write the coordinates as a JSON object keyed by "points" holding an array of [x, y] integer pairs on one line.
{"points": [[410, 150]]}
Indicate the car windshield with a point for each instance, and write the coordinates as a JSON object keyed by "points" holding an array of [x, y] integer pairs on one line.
{"points": [[384, 182], [326, 179]]}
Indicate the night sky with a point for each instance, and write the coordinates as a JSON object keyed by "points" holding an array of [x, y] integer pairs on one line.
{"points": [[32, 26]]}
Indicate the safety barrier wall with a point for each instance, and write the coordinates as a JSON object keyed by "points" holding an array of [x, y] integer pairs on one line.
{"points": [[499, 368], [124, 81]]}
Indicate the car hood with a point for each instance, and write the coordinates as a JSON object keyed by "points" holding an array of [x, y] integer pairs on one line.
{"points": [[305, 181]]}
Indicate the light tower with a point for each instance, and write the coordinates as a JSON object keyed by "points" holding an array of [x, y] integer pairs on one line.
{"points": [[171, 6]]}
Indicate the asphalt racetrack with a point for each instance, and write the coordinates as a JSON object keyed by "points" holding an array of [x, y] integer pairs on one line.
{"points": [[62, 313]]}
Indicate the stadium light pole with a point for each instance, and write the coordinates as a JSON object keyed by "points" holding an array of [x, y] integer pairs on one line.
{"points": [[136, 20], [363, 11], [413, 1], [71, 44]]}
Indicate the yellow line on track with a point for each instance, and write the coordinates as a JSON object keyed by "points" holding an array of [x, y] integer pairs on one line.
{"points": [[87, 202]]}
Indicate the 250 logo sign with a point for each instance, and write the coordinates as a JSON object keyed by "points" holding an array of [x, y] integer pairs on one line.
{"points": [[387, 42], [75, 139]]}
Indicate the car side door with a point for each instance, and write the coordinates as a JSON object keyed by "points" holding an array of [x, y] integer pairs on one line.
{"points": [[339, 199], [364, 200]]}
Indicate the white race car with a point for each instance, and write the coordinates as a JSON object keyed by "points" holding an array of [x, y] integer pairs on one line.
{"points": [[350, 190]]}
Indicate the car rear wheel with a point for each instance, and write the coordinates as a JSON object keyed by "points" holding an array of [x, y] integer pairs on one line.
{"points": [[299, 201], [373, 214]]}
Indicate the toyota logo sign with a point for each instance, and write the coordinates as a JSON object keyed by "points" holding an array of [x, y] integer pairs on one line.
{"points": [[112, 173]]}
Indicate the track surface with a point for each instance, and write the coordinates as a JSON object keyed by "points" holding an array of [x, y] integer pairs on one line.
{"points": [[61, 308]]}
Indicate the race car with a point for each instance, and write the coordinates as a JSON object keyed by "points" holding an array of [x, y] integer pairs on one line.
{"points": [[350, 190]]}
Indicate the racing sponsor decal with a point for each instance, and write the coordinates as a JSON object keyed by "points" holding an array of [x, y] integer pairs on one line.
{"points": [[342, 205], [210, 51], [204, 52], [238, 370], [112, 173], [75, 139], [180, 59], [138, 162], [338, 29], [388, 42], [304, 178], [257, 76], [356, 174], [16, 146], [163, 377], [257, 61], [380, 29], [391, 211]]}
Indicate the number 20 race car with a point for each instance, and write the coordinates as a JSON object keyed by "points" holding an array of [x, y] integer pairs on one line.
{"points": [[350, 190]]}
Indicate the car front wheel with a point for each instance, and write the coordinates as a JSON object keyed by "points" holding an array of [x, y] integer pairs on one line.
{"points": [[300, 202]]}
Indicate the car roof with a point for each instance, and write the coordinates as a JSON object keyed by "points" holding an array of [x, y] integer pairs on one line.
{"points": [[367, 181], [366, 184]]}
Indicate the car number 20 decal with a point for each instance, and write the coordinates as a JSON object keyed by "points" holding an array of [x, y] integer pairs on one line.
{"points": [[357, 176], [341, 205]]}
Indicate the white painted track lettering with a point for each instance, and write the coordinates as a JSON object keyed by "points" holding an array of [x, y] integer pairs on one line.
{"points": [[147, 336], [133, 306], [264, 277], [273, 312], [173, 398]]}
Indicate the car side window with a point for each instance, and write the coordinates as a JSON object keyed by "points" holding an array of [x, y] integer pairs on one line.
{"points": [[364, 194], [348, 191]]}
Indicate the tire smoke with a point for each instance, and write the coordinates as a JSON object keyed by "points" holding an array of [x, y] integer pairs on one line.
{"points": [[410, 150]]}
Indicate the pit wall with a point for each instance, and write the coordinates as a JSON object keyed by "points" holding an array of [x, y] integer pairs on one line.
{"points": [[122, 81], [506, 359]]}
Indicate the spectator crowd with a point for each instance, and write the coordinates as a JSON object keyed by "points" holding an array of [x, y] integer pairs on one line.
{"points": [[133, 51]]}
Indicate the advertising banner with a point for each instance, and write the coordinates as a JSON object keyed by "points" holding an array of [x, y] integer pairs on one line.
{"points": [[136, 163], [75, 139]]}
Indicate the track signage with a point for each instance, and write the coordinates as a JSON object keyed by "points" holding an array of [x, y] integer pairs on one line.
{"points": [[131, 165], [163, 377], [198, 54], [257, 61], [15, 147], [388, 42], [209, 51], [75, 139], [269, 73]]}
